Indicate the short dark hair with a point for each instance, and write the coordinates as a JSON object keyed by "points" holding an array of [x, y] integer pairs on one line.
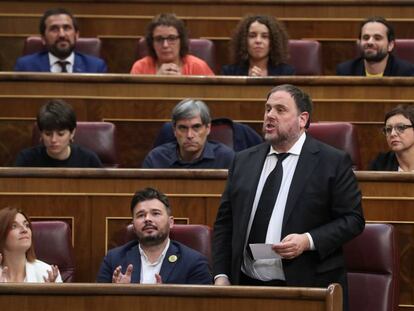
{"points": [[302, 99], [169, 20], [150, 194], [406, 110], [190, 108], [7, 216], [278, 49], [382, 20], [56, 11], [56, 114]]}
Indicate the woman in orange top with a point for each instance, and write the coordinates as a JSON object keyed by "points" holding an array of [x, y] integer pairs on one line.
{"points": [[167, 43]]}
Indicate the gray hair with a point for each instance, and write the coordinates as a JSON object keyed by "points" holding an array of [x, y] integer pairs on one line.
{"points": [[190, 108]]}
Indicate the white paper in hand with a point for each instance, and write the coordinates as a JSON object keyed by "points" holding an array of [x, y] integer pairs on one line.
{"points": [[263, 251]]}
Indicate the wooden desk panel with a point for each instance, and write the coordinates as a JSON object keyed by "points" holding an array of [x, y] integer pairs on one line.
{"points": [[280, 8], [168, 297], [94, 25]]}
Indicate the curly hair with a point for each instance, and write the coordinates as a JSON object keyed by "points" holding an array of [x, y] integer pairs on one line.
{"points": [[278, 50], [169, 20]]}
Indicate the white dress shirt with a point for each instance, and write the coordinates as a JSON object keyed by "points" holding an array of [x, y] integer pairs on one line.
{"points": [[148, 269], [55, 66], [272, 269]]}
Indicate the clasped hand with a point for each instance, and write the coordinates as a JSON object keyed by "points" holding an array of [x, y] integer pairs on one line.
{"points": [[169, 69]]}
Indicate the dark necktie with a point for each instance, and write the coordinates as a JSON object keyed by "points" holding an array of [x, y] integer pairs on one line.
{"points": [[266, 204], [63, 65]]}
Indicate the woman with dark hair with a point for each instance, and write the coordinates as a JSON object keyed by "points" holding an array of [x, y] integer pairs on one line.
{"points": [[18, 261], [399, 132], [168, 44], [56, 121], [259, 47]]}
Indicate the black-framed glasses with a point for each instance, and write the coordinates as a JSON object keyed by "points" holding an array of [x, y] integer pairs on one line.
{"points": [[172, 39], [399, 128]]}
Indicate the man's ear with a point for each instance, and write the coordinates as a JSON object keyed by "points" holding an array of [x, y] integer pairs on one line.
{"points": [[208, 128], [303, 119], [391, 46]]}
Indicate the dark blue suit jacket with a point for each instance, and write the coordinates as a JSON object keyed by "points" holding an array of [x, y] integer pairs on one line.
{"points": [[191, 267], [395, 67], [39, 62]]}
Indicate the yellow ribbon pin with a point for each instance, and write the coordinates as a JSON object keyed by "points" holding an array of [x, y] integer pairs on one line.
{"points": [[172, 258]]}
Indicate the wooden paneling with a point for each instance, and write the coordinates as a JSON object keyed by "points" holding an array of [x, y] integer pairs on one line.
{"points": [[93, 25], [85, 297], [280, 8]]}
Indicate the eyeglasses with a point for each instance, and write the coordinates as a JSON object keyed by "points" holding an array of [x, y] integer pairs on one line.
{"points": [[399, 129], [172, 39]]}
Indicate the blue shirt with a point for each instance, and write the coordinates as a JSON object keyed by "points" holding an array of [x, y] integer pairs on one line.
{"points": [[215, 155]]}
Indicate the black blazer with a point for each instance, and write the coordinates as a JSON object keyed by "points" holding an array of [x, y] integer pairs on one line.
{"points": [[323, 200], [395, 67], [281, 69], [384, 162]]}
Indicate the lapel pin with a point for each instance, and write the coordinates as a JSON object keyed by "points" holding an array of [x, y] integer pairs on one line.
{"points": [[172, 258]]}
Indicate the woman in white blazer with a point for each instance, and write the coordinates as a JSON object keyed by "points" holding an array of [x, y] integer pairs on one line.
{"points": [[18, 261]]}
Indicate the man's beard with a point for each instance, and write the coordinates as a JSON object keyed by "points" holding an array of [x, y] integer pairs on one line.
{"points": [[279, 140], [152, 240], [61, 53], [282, 139], [374, 58]]}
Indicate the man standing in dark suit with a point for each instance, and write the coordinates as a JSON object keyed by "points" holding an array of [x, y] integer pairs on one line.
{"points": [[376, 44], [153, 257], [316, 209], [59, 31]]}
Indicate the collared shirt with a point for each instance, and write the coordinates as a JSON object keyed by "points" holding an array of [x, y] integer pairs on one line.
{"points": [[272, 269], [215, 155], [148, 269], [54, 65]]}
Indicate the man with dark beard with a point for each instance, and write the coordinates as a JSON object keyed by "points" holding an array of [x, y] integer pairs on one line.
{"points": [[376, 43], [59, 31], [289, 205], [153, 257]]}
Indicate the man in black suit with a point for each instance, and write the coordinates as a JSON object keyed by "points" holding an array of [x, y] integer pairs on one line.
{"points": [[317, 209], [376, 44]]}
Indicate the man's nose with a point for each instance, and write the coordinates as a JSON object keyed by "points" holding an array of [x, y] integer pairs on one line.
{"points": [[62, 32], [190, 133]]}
